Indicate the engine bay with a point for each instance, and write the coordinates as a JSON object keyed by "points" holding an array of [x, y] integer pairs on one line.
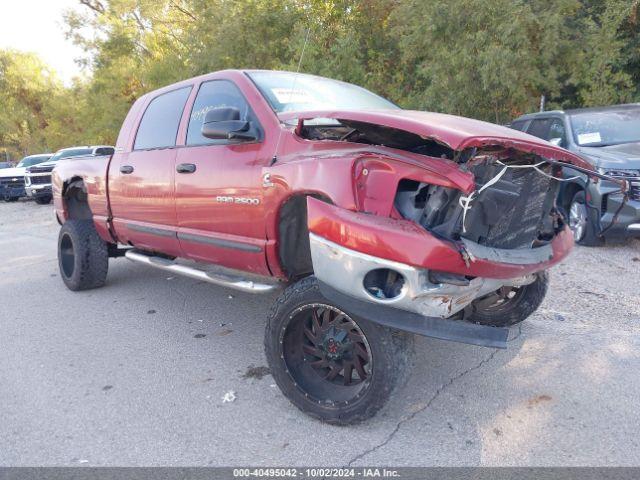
{"points": [[512, 207]]}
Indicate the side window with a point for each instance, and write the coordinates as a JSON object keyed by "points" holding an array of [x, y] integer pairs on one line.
{"points": [[556, 131], [518, 125], [215, 94], [159, 125], [539, 128]]}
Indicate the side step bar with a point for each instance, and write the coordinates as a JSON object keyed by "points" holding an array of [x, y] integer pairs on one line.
{"points": [[221, 279]]}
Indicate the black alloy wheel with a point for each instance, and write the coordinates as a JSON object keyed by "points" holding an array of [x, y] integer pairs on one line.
{"points": [[327, 354], [332, 365]]}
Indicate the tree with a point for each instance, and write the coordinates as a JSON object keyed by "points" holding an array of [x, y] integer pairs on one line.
{"points": [[25, 85]]}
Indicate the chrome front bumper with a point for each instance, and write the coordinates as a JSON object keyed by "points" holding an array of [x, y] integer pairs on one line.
{"points": [[344, 270]]}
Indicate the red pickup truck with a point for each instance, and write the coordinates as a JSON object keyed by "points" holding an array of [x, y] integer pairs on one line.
{"points": [[378, 222]]}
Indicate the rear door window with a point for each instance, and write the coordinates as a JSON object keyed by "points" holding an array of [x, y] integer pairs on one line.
{"points": [[159, 125]]}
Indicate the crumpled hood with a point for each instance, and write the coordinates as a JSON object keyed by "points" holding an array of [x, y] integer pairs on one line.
{"points": [[626, 156], [457, 133], [12, 172]]}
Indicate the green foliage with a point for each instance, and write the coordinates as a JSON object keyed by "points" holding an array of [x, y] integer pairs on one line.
{"points": [[487, 59]]}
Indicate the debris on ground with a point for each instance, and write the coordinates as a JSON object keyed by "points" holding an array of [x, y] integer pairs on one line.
{"points": [[538, 400], [199, 335], [599, 295], [224, 332], [151, 312], [229, 397], [256, 372]]}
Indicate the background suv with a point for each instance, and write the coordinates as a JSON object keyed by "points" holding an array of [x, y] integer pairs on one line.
{"points": [[609, 139], [37, 179]]}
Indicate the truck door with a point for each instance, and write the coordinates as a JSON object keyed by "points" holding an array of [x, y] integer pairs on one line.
{"points": [[142, 179], [219, 198]]}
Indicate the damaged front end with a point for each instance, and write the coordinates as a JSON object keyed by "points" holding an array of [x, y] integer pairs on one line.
{"points": [[426, 243]]}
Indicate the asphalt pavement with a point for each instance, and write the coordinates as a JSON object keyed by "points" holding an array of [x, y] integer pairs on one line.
{"points": [[135, 374]]}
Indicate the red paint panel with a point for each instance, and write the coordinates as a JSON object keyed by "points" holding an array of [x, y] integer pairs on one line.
{"points": [[377, 178], [406, 242], [146, 197]]}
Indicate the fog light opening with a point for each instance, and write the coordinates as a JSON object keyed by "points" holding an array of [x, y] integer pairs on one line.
{"points": [[383, 283]]}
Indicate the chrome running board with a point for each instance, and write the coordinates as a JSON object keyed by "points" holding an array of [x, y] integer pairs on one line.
{"points": [[221, 279]]}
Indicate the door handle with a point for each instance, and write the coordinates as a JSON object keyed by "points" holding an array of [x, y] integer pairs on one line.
{"points": [[126, 169], [186, 168]]}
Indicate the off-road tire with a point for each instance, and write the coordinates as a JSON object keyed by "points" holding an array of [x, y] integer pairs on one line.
{"points": [[391, 353], [79, 243], [526, 301], [590, 237], [44, 200]]}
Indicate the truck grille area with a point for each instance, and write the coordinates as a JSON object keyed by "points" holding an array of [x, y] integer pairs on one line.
{"points": [[511, 212], [12, 182], [514, 211], [40, 180]]}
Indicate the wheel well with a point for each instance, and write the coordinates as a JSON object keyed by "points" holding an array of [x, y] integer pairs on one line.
{"points": [[294, 251], [75, 198], [567, 194]]}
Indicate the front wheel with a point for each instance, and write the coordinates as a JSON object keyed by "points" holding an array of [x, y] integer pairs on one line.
{"points": [[583, 222], [332, 365], [44, 200], [82, 255], [510, 305]]}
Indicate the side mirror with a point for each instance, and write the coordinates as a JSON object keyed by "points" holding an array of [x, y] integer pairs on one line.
{"points": [[556, 141], [224, 123]]}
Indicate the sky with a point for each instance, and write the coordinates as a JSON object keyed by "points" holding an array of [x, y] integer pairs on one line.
{"points": [[37, 26]]}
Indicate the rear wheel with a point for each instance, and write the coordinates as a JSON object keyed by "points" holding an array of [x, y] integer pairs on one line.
{"points": [[583, 222], [82, 255], [332, 365], [7, 198], [510, 305]]}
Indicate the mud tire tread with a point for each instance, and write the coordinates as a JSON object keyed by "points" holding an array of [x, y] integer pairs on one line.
{"points": [[91, 256]]}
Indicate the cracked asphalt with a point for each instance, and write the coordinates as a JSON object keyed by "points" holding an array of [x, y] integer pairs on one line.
{"points": [[135, 374]]}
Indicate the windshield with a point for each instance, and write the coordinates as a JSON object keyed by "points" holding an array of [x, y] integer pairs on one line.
{"points": [[29, 161], [290, 92], [74, 152], [599, 129]]}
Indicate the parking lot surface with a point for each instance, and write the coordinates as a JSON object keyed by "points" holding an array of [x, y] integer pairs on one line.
{"points": [[135, 373]]}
